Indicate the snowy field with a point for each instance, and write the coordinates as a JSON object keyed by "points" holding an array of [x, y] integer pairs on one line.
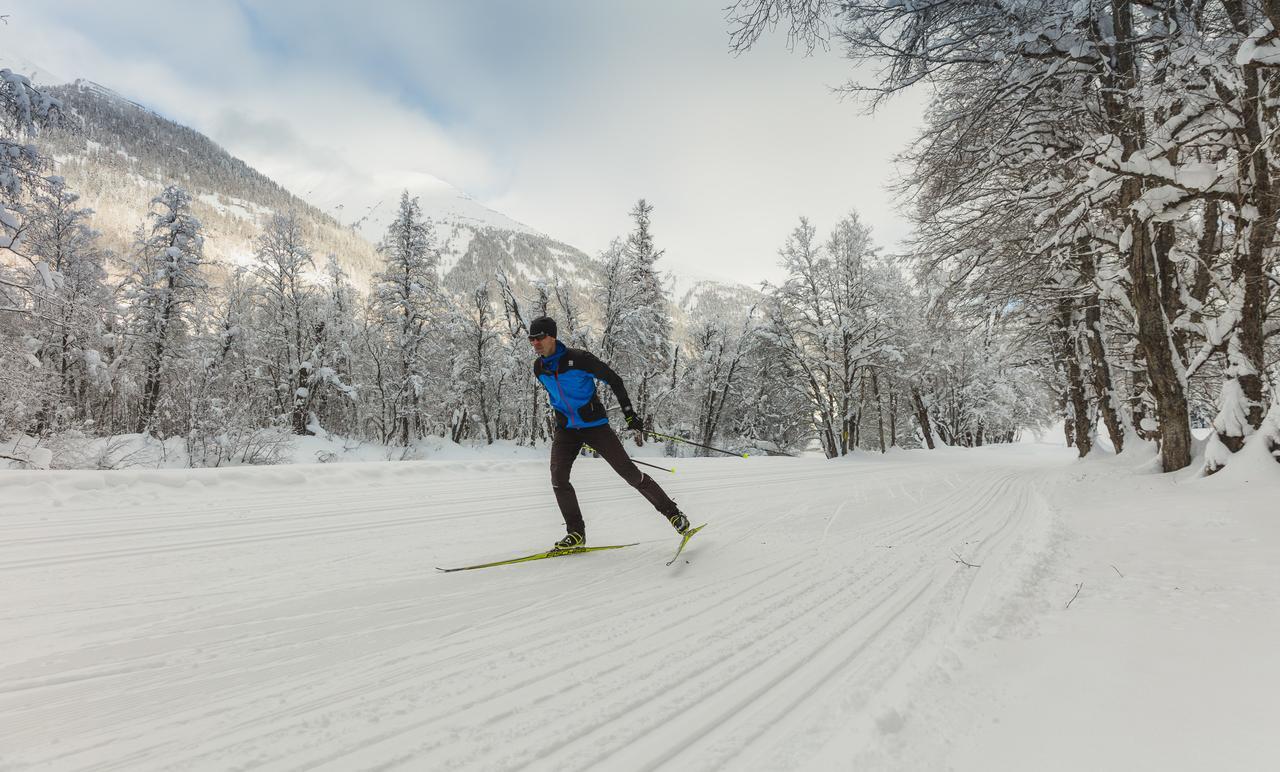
{"points": [[899, 612]]}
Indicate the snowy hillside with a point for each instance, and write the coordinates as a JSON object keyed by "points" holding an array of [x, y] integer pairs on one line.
{"points": [[121, 154], [443, 202], [901, 612], [23, 66], [118, 155]]}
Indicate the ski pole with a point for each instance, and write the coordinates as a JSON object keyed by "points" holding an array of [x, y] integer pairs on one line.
{"points": [[641, 463], [691, 442], [695, 444]]}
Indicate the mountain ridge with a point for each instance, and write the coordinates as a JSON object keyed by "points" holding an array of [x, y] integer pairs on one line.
{"points": [[123, 153]]}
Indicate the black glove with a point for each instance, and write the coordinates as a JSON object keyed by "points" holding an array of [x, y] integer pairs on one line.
{"points": [[634, 423], [633, 420]]}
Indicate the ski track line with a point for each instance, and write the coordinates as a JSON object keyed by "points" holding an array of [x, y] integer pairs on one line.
{"points": [[255, 501], [720, 670], [363, 527], [449, 514], [767, 713], [659, 600], [346, 508], [254, 521], [789, 602], [650, 660], [723, 718], [531, 611], [667, 622], [252, 512], [202, 612], [466, 679], [780, 733], [149, 698]]}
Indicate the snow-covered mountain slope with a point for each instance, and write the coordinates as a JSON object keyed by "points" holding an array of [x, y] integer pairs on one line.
{"points": [[441, 201], [121, 154], [20, 64], [899, 612], [118, 155]]}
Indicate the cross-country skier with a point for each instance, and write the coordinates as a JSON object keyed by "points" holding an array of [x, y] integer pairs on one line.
{"points": [[569, 376]]}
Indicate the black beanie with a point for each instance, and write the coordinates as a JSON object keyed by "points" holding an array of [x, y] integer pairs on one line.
{"points": [[543, 325]]}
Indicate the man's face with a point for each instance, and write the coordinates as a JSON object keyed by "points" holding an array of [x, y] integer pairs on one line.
{"points": [[545, 345]]}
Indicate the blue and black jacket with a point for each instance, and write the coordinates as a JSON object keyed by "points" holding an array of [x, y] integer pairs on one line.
{"points": [[569, 376]]}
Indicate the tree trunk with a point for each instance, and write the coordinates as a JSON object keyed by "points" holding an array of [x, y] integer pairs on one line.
{"points": [[893, 415], [1148, 284], [1245, 350], [922, 415], [875, 394], [1078, 406], [1099, 369]]}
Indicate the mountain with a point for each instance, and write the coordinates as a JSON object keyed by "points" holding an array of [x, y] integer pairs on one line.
{"points": [[118, 155]]}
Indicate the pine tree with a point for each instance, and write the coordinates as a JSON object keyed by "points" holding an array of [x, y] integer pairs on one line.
{"points": [[405, 306], [636, 335]]}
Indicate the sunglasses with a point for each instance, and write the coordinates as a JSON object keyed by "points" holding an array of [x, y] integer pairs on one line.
{"points": [[536, 338]]}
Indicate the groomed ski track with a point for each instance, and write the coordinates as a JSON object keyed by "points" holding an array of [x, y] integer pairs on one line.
{"points": [[291, 617]]}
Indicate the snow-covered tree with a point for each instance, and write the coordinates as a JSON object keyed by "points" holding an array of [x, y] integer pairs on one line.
{"points": [[482, 371], [825, 317], [405, 306], [23, 109], [291, 323], [165, 281], [714, 379], [234, 415], [1107, 166], [66, 266], [636, 332]]}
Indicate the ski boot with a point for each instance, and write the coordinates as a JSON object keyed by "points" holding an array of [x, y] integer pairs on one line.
{"points": [[571, 540], [679, 522]]}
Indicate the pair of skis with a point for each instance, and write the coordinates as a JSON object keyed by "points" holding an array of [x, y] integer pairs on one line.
{"points": [[573, 551]]}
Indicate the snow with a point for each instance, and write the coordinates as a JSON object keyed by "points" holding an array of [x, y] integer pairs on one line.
{"points": [[1252, 53], [367, 207], [905, 611], [231, 206], [32, 71]]}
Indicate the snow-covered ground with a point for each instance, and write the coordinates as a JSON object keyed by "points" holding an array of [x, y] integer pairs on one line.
{"points": [[898, 612]]}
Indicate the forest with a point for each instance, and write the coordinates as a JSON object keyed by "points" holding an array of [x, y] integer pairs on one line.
{"points": [[1094, 208]]}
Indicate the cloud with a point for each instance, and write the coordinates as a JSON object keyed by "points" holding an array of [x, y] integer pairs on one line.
{"points": [[559, 114]]}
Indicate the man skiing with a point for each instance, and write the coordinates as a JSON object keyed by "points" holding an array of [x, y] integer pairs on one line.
{"points": [[569, 375]]}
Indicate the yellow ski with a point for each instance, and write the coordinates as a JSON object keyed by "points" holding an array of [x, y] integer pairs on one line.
{"points": [[687, 536], [538, 556]]}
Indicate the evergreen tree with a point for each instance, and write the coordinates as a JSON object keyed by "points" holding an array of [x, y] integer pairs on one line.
{"points": [[636, 335], [405, 306]]}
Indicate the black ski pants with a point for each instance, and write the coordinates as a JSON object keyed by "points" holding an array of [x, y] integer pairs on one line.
{"points": [[565, 446]]}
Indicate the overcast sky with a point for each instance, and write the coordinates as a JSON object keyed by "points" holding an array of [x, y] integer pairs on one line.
{"points": [[559, 114]]}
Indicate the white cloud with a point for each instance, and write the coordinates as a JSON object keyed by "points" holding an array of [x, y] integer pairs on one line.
{"points": [[560, 115]]}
